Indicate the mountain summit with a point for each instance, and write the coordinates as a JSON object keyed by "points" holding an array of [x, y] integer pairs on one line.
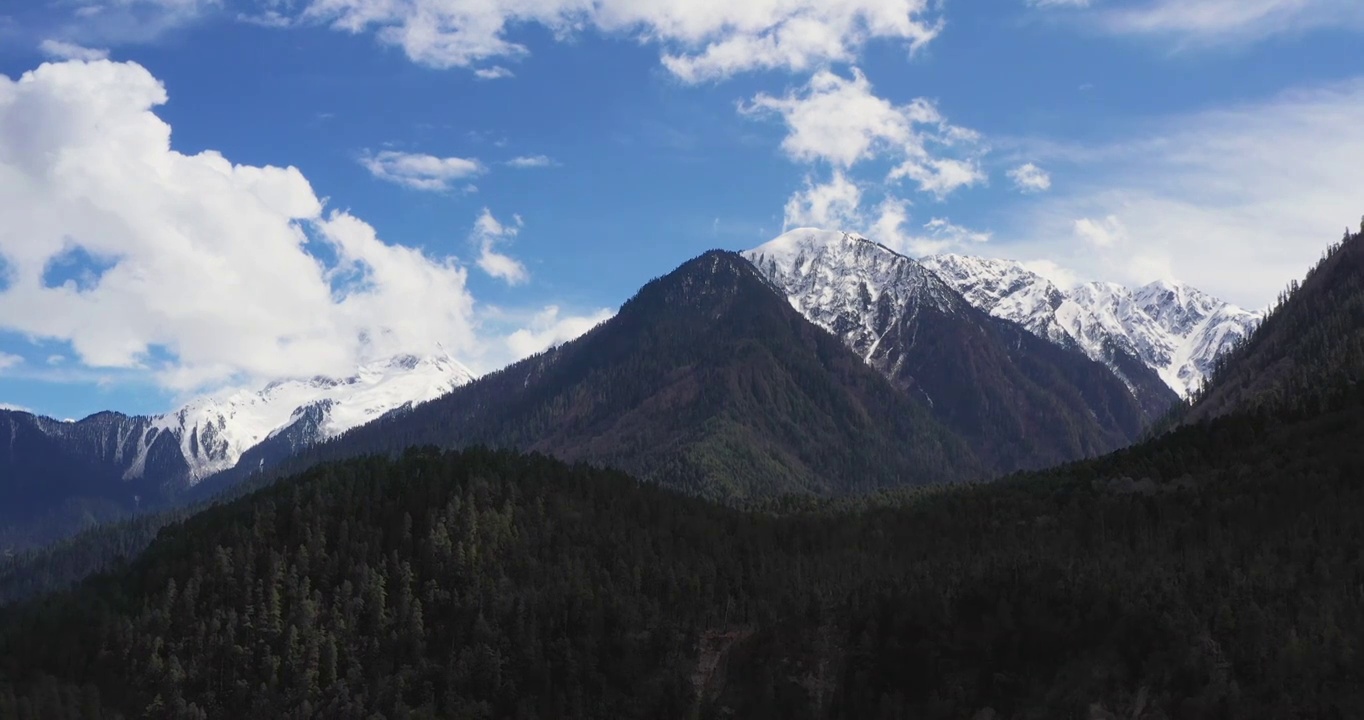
{"points": [[707, 381], [1020, 401]]}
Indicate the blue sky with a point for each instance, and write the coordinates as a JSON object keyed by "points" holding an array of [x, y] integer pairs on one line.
{"points": [[346, 179]]}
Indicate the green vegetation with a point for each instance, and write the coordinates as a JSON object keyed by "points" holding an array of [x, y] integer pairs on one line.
{"points": [[1214, 573]]}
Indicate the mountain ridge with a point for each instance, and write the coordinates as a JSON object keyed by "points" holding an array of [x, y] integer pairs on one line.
{"points": [[706, 379], [1022, 402], [66, 474], [1174, 329]]}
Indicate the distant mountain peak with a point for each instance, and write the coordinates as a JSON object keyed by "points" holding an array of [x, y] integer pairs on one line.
{"points": [[214, 431], [1172, 328]]}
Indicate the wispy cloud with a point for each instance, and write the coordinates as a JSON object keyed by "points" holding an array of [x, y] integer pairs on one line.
{"points": [[1236, 200], [1185, 23], [496, 72], [61, 50], [420, 171], [531, 161], [488, 234]]}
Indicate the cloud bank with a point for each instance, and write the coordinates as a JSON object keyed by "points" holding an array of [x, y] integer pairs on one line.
{"points": [[195, 270]]}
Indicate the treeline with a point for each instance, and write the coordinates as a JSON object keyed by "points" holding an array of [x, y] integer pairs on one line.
{"points": [[1217, 572]]}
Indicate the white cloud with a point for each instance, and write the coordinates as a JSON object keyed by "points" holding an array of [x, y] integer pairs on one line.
{"points": [[213, 272], [700, 40], [838, 205], [549, 328], [496, 72], [1029, 178], [15, 408], [419, 171], [938, 235], [273, 19], [488, 233], [115, 22], [1104, 233], [1204, 21], [62, 50], [531, 161], [832, 205], [8, 361], [1236, 201], [842, 122]]}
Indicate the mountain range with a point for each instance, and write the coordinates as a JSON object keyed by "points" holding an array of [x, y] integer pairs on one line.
{"points": [[61, 474], [1018, 400], [820, 362], [1211, 571], [1168, 328]]}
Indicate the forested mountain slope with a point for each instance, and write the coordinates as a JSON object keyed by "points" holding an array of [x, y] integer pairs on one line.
{"points": [[1214, 573], [1311, 345], [706, 381]]}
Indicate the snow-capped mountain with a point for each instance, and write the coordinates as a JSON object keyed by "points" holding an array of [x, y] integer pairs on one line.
{"points": [[1175, 330], [59, 476], [1020, 400], [849, 285], [213, 432]]}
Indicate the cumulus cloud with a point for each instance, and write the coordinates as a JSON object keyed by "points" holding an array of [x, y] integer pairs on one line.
{"points": [[833, 205], [841, 121], [419, 171], [1236, 201], [201, 271], [841, 126], [1029, 178], [550, 327], [61, 50], [8, 361], [488, 233], [700, 40]]}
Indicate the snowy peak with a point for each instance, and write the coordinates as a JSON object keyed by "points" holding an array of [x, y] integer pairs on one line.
{"points": [[833, 277], [213, 432], [1174, 329], [1005, 289]]}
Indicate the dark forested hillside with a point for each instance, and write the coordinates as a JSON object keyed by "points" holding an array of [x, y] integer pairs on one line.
{"points": [[707, 381], [1214, 573], [1311, 345]]}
